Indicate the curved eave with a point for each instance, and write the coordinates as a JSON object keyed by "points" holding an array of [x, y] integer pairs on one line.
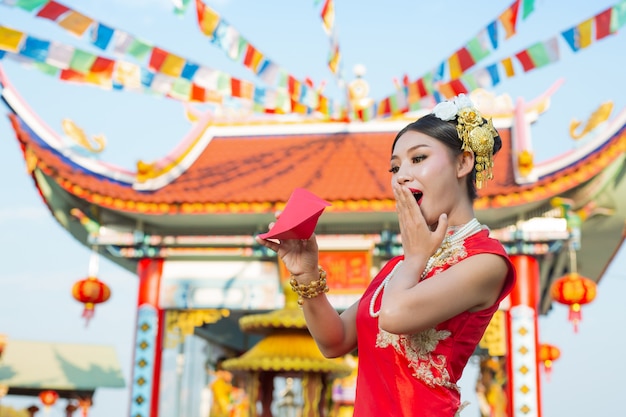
{"points": [[50, 139], [563, 178], [286, 352]]}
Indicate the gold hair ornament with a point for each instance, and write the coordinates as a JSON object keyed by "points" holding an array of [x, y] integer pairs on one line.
{"points": [[475, 134]]}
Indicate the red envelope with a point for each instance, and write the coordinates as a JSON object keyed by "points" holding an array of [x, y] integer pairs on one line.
{"points": [[299, 217]]}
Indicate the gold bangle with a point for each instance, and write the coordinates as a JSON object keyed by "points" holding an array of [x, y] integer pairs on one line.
{"points": [[310, 290]]}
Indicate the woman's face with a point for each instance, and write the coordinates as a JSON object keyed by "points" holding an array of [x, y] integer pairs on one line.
{"points": [[429, 169]]}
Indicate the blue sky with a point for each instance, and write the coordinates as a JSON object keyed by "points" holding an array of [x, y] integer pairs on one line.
{"points": [[40, 261]]}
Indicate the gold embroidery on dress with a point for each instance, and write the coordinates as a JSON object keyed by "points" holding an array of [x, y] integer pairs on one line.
{"points": [[418, 348], [449, 256]]}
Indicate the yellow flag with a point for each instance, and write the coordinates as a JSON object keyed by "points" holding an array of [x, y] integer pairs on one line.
{"points": [[507, 63], [209, 21], [454, 66], [10, 39], [173, 65], [584, 33]]}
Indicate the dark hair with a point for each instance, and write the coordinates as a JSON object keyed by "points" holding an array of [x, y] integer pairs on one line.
{"points": [[445, 132]]}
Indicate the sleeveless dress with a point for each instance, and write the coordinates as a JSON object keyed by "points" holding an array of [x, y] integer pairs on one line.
{"points": [[415, 375]]}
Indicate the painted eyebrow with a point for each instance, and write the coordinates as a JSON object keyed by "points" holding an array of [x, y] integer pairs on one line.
{"points": [[421, 145]]}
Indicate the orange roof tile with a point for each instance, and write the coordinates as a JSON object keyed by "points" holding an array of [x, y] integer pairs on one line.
{"points": [[251, 172]]}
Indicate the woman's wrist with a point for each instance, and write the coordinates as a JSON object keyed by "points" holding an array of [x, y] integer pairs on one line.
{"points": [[309, 285]]}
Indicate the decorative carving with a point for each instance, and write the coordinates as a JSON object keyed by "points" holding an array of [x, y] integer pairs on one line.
{"points": [[95, 145], [599, 116]]}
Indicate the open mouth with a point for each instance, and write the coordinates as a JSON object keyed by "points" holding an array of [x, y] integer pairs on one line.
{"points": [[417, 195]]}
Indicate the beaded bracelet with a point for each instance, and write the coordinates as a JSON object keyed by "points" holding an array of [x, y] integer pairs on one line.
{"points": [[310, 290]]}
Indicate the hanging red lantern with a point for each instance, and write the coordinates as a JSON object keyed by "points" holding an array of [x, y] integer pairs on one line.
{"points": [[574, 290], [90, 291], [548, 354], [48, 398], [85, 404]]}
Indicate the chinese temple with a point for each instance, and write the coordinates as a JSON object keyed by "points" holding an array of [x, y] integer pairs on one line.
{"points": [[185, 225]]}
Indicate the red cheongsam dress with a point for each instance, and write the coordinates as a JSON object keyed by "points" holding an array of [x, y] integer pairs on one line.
{"points": [[415, 375]]}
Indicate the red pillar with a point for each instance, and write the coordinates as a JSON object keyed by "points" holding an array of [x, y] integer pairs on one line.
{"points": [[524, 389], [144, 400]]}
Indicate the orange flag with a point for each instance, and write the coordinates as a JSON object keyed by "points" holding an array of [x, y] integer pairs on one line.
{"points": [[508, 19]]}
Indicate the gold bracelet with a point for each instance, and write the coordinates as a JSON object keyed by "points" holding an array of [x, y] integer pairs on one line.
{"points": [[310, 290]]}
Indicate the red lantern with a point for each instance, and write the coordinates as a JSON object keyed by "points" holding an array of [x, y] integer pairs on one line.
{"points": [[48, 398], [90, 291], [574, 290], [548, 354]]}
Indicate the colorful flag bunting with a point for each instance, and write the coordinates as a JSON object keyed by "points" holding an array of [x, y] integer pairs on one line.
{"points": [[603, 24], [492, 30], [60, 55], [189, 71], [527, 8], [618, 17], [101, 35], [173, 65], [36, 49], [507, 63], [571, 37], [10, 39], [479, 46], [180, 6], [30, 5], [328, 16], [75, 23], [82, 61], [508, 19], [208, 19], [585, 30], [53, 11], [157, 58]]}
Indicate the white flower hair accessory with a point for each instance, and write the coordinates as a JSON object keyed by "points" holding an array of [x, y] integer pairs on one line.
{"points": [[476, 134]]}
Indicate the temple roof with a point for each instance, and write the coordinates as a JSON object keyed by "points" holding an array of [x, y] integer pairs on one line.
{"points": [[230, 179], [29, 366]]}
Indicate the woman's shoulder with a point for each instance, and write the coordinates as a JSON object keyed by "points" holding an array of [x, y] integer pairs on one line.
{"points": [[482, 242]]}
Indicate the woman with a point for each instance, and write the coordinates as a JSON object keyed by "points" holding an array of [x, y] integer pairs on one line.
{"points": [[422, 316]]}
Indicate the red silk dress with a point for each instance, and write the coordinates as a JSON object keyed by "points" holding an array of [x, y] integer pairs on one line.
{"points": [[415, 375]]}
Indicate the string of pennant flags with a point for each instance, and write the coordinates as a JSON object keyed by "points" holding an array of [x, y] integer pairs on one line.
{"points": [[328, 24], [289, 95], [159, 72], [428, 89], [424, 91], [79, 66], [227, 38]]}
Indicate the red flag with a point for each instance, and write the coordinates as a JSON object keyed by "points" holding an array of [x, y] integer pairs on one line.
{"points": [[197, 93], [525, 60], [247, 59], [52, 11], [465, 59], [603, 24], [421, 88], [235, 86], [157, 58], [103, 66], [458, 87]]}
